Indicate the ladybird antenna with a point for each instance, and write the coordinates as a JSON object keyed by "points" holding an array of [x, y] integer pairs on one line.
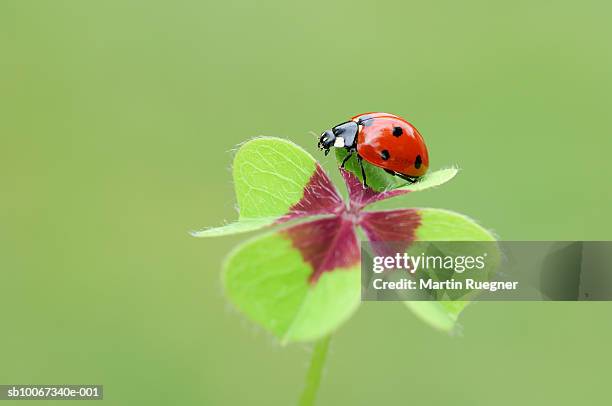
{"points": [[314, 134]]}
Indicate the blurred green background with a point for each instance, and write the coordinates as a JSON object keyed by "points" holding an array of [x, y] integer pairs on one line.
{"points": [[117, 122]]}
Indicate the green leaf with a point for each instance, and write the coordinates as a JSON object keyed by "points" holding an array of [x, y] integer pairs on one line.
{"points": [[242, 226], [270, 178], [268, 280], [432, 179], [379, 180], [444, 225], [439, 315], [270, 175]]}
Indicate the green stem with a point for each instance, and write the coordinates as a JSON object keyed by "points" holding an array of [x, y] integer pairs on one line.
{"points": [[313, 378]]}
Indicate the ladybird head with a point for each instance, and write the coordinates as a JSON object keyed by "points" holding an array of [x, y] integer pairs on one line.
{"points": [[327, 141], [341, 136]]}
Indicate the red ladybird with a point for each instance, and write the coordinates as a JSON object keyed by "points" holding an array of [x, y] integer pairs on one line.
{"points": [[382, 139]]}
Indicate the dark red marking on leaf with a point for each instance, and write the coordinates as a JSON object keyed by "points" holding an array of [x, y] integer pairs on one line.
{"points": [[331, 243], [326, 244], [360, 196], [390, 231], [320, 197]]}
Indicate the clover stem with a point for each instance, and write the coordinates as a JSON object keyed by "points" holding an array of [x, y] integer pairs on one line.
{"points": [[315, 371]]}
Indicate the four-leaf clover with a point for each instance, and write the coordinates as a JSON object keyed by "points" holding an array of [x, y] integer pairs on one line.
{"points": [[301, 280]]}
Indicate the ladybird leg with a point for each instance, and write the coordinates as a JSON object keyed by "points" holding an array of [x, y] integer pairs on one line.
{"points": [[409, 179], [363, 174], [346, 158]]}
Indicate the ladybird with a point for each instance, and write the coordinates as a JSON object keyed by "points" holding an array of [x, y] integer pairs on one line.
{"points": [[382, 139]]}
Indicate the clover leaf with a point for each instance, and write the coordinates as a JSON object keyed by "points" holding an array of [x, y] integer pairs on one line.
{"points": [[301, 280], [276, 181], [379, 180]]}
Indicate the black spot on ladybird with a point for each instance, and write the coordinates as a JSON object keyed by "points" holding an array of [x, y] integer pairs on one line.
{"points": [[384, 154], [397, 131], [418, 162]]}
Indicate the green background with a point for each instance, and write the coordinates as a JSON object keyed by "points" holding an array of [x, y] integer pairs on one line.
{"points": [[117, 124]]}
